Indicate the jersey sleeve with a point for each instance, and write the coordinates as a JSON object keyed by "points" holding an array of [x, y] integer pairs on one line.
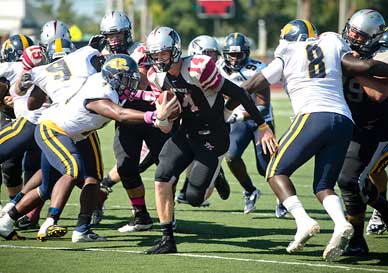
{"points": [[381, 56], [202, 72], [139, 56], [274, 71]]}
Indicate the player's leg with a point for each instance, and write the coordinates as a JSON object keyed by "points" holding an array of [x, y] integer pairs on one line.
{"points": [[174, 158]]}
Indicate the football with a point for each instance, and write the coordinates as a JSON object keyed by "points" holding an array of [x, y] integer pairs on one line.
{"points": [[170, 95]]}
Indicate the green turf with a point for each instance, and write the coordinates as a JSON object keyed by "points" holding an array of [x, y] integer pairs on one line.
{"points": [[219, 238]]}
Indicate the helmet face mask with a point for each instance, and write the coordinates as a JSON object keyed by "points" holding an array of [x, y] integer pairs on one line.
{"points": [[12, 49], [236, 50], [122, 74], [363, 31], [116, 22], [59, 48], [163, 40]]}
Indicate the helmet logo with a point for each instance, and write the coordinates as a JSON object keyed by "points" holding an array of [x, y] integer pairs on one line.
{"points": [[118, 63]]}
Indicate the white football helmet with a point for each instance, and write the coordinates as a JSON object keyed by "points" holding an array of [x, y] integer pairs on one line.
{"points": [[367, 23], [116, 22], [54, 29], [202, 45], [164, 39]]}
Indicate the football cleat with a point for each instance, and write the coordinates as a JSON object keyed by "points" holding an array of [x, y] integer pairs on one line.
{"points": [[23, 222], [302, 236], [86, 236], [357, 247], [338, 242], [140, 222], [6, 229], [376, 225], [250, 200], [163, 246], [50, 230], [222, 185]]}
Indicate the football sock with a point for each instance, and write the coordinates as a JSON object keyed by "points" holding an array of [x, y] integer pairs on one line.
{"points": [[295, 207], [333, 207]]}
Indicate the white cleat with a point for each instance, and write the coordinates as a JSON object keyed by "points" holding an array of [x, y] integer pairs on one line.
{"points": [[338, 242], [301, 237], [87, 236]]}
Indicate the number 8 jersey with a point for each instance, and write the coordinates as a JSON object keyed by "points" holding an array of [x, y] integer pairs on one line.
{"points": [[312, 73]]}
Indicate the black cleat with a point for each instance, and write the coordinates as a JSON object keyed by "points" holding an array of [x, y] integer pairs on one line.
{"points": [[222, 185], [357, 247], [140, 222], [163, 246]]}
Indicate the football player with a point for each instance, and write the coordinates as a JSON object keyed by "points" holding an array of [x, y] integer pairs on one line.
{"points": [[116, 28], [312, 70], [368, 106], [202, 136]]}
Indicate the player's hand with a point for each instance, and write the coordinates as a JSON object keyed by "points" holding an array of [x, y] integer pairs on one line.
{"points": [[25, 82], [98, 42], [8, 101], [164, 109], [236, 117], [267, 139]]}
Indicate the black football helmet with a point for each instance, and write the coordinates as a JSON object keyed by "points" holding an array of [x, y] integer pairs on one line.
{"points": [[122, 74], [237, 46]]}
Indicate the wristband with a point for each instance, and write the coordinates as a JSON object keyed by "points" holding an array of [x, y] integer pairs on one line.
{"points": [[263, 126], [149, 117]]}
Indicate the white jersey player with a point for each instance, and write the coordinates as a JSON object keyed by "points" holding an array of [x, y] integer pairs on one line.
{"points": [[312, 69], [63, 78]]}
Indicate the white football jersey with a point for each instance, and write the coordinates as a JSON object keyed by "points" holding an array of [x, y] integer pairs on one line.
{"points": [[12, 71], [246, 72], [73, 117], [312, 73], [63, 78]]}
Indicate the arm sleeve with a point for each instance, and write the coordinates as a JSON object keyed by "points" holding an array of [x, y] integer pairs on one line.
{"points": [[235, 92]]}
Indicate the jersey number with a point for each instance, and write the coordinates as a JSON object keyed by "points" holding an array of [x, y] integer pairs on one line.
{"points": [[316, 65], [59, 70]]}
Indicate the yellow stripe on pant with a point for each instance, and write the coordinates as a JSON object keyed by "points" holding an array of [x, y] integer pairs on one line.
{"points": [[286, 140], [94, 141], [17, 126]]}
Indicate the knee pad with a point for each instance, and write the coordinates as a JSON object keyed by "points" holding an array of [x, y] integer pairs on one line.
{"points": [[12, 172], [131, 182], [194, 195]]}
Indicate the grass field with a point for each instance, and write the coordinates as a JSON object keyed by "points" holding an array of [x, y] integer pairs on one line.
{"points": [[219, 238]]}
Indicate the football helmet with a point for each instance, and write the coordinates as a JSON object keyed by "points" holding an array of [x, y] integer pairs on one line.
{"points": [[13, 48], [236, 47], [369, 26], [163, 39], [204, 45], [298, 30], [384, 39], [54, 29], [121, 72], [59, 48], [116, 22]]}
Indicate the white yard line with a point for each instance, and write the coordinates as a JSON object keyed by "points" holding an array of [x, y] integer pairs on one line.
{"points": [[197, 256]]}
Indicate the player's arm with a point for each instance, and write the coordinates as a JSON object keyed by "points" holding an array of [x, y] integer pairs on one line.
{"points": [[36, 98], [375, 88], [352, 66], [109, 109]]}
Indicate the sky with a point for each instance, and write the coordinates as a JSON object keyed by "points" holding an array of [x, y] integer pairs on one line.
{"points": [[87, 6]]}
